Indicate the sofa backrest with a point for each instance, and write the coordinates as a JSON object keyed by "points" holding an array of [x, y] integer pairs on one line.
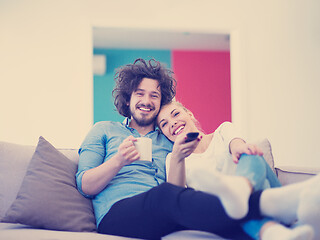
{"points": [[15, 158], [14, 161]]}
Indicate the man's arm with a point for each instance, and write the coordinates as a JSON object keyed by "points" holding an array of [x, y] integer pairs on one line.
{"points": [[96, 179]]}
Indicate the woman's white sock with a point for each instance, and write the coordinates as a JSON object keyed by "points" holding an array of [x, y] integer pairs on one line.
{"points": [[282, 203], [233, 191], [309, 209], [278, 231]]}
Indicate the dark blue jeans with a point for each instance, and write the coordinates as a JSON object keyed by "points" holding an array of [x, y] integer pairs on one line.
{"points": [[168, 208]]}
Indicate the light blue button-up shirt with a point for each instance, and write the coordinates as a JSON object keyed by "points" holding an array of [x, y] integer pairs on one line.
{"points": [[101, 144]]}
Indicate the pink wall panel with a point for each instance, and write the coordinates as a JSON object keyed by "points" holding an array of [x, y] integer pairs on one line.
{"points": [[203, 85]]}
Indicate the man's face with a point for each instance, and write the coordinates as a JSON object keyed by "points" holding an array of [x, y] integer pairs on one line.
{"points": [[145, 102]]}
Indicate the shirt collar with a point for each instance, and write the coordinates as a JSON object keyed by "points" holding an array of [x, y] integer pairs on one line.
{"points": [[126, 122]]}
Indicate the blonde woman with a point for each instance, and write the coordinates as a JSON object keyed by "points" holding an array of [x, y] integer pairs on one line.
{"points": [[223, 164]]}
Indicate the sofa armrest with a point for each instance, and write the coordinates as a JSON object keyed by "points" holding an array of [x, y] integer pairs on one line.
{"points": [[292, 174]]}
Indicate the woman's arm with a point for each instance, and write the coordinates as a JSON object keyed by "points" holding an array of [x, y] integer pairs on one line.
{"points": [[176, 172], [238, 146], [235, 142]]}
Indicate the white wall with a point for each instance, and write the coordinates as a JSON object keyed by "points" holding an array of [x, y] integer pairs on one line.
{"points": [[45, 75], [45, 59]]}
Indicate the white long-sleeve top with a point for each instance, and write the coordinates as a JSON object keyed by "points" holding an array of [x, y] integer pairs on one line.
{"points": [[217, 156]]}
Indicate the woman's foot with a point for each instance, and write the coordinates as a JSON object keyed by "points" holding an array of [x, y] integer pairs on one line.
{"points": [[282, 203], [233, 191], [309, 209]]}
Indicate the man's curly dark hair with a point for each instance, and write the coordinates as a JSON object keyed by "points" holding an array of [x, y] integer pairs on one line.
{"points": [[130, 76]]}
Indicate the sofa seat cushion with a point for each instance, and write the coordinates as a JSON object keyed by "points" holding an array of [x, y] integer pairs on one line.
{"points": [[192, 235], [48, 197], [9, 231]]}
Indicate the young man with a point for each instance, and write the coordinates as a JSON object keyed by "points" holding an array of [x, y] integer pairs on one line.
{"points": [[130, 197]]}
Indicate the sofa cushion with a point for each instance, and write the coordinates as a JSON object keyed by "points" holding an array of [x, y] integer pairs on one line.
{"points": [[293, 174], [10, 231], [265, 146], [14, 161], [48, 197]]}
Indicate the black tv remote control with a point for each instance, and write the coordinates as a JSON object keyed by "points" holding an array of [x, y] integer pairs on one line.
{"points": [[191, 136]]}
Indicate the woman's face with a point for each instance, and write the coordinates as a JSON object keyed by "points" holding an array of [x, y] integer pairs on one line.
{"points": [[173, 120]]}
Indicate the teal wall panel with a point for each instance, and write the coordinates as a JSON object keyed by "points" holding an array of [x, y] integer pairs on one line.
{"points": [[104, 109]]}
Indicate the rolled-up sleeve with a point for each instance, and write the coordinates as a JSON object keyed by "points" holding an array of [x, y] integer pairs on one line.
{"points": [[91, 153], [224, 134], [228, 131]]}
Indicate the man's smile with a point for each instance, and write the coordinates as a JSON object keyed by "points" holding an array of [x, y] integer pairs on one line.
{"points": [[145, 109]]}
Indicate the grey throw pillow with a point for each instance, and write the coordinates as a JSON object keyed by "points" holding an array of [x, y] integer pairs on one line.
{"points": [[48, 197]]}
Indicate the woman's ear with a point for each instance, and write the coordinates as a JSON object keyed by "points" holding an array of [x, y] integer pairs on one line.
{"points": [[190, 113]]}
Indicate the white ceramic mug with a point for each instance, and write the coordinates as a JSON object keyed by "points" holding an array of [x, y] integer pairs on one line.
{"points": [[144, 147]]}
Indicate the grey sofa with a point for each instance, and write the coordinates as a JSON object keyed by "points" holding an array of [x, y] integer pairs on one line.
{"points": [[15, 161]]}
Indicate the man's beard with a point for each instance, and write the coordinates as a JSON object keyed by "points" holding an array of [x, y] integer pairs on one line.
{"points": [[143, 121]]}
